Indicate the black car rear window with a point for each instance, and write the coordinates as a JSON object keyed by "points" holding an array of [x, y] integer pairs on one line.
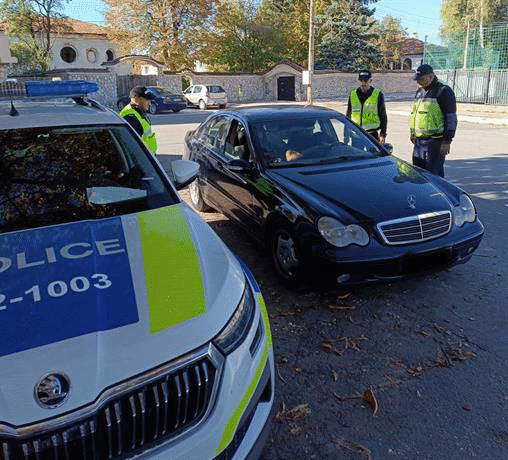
{"points": [[55, 175]]}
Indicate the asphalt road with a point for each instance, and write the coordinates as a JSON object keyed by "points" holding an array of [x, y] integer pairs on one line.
{"points": [[431, 352]]}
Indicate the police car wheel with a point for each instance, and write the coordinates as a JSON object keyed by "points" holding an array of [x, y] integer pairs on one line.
{"points": [[286, 255], [196, 198]]}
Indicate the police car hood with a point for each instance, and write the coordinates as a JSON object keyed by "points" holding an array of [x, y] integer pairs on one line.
{"points": [[99, 302]]}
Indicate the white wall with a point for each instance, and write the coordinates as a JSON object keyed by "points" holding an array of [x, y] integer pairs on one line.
{"points": [[86, 49]]}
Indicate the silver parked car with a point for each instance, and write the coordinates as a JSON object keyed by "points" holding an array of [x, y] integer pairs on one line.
{"points": [[204, 96]]}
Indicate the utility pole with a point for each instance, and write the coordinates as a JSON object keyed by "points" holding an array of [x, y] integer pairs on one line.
{"points": [[311, 53]]}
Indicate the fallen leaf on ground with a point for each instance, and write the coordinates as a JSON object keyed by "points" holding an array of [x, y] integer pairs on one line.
{"points": [[301, 410], [352, 447], [342, 307], [370, 397]]}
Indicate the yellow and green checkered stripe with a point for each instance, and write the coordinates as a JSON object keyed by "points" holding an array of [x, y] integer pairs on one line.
{"points": [[174, 283], [234, 420]]}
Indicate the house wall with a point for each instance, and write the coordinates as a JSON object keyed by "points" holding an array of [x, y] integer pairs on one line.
{"points": [[86, 48], [326, 85], [5, 56]]}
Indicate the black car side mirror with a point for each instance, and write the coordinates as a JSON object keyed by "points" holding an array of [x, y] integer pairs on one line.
{"points": [[388, 148]]}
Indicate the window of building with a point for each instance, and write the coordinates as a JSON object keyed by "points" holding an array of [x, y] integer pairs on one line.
{"points": [[110, 55], [91, 55], [68, 54]]}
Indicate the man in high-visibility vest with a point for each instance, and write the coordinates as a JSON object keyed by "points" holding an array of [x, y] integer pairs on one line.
{"points": [[433, 121], [135, 114], [366, 107]]}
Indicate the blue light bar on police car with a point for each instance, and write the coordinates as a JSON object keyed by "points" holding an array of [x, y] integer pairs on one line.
{"points": [[47, 89]]}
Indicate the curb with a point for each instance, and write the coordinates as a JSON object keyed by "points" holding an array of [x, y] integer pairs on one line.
{"points": [[468, 118]]}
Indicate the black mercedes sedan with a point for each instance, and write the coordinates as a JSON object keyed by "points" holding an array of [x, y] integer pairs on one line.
{"points": [[325, 198]]}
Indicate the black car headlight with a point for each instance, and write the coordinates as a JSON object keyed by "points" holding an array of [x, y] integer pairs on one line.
{"points": [[464, 212], [239, 325], [340, 235]]}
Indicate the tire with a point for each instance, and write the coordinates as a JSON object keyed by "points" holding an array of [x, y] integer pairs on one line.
{"points": [[202, 105], [286, 256], [176, 110], [222, 106], [196, 199], [152, 109]]}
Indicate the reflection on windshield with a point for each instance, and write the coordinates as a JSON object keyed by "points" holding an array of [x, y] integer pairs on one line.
{"points": [[311, 140], [55, 175]]}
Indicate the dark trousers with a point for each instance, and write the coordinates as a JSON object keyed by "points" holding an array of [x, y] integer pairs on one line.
{"points": [[427, 155]]}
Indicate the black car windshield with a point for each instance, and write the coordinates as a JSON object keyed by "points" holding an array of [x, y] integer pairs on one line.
{"points": [[54, 175], [311, 139], [215, 89]]}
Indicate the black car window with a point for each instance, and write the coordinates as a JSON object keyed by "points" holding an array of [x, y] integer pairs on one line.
{"points": [[214, 136], [236, 143], [55, 175], [311, 139]]}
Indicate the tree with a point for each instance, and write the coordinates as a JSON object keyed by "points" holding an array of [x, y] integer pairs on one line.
{"points": [[346, 36], [240, 40], [163, 29], [30, 23], [389, 32], [458, 15]]}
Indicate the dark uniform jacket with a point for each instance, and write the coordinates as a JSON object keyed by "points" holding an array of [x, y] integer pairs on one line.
{"points": [[446, 99], [381, 109]]}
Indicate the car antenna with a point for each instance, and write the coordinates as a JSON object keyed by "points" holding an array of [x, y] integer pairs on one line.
{"points": [[13, 112]]}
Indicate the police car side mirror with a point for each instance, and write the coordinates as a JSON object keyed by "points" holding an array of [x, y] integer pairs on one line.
{"points": [[183, 172]]}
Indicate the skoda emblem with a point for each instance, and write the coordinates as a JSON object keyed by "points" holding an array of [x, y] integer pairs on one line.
{"points": [[411, 200], [52, 390]]}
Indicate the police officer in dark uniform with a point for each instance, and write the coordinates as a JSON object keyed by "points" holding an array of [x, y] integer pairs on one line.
{"points": [[135, 113], [433, 121], [366, 107]]}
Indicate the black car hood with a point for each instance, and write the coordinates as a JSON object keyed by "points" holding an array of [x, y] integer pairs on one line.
{"points": [[375, 189]]}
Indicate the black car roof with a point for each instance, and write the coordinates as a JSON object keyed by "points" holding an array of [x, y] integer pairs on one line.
{"points": [[263, 112]]}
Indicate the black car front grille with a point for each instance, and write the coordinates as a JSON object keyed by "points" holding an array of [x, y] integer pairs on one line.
{"points": [[416, 228], [128, 423]]}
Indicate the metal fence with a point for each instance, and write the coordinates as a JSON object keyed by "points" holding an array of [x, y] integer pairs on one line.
{"points": [[478, 86]]}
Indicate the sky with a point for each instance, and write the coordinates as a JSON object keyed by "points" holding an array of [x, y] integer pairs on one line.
{"points": [[422, 18]]}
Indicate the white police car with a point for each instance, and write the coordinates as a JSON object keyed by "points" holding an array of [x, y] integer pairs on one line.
{"points": [[127, 328]]}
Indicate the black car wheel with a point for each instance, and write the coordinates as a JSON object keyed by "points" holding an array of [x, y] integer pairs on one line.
{"points": [[153, 108], [286, 255], [196, 198], [176, 110]]}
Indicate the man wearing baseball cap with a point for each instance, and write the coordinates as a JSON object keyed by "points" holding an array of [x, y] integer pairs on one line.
{"points": [[366, 107], [433, 121], [135, 114]]}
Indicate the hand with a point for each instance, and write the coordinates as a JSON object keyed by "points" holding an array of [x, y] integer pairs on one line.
{"points": [[382, 139], [445, 149]]}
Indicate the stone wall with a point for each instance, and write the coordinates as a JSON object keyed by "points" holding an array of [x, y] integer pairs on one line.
{"points": [[245, 87]]}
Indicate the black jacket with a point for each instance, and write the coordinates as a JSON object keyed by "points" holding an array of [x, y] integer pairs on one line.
{"points": [[381, 109], [446, 99]]}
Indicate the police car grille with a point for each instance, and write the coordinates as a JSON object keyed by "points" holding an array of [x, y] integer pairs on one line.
{"points": [[133, 422], [416, 228]]}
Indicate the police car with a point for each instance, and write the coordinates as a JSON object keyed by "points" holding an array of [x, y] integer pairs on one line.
{"points": [[127, 328]]}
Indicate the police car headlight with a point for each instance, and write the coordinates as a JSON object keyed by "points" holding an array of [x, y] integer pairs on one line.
{"points": [[239, 325], [464, 212], [341, 235]]}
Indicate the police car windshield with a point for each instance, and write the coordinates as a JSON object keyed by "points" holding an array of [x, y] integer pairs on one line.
{"points": [[55, 175]]}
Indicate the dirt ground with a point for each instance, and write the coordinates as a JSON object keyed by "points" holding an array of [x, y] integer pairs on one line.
{"points": [[343, 356]]}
